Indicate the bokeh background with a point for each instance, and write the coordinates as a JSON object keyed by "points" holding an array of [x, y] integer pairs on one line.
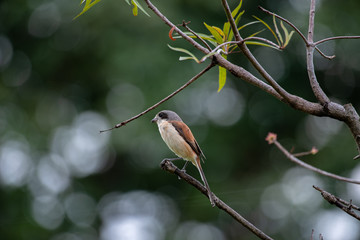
{"points": [[63, 80]]}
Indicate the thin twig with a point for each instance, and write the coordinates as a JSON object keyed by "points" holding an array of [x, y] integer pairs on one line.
{"points": [[185, 25], [342, 204], [296, 30], [271, 138], [176, 29], [313, 151], [285, 20], [193, 79], [170, 167], [336, 38], [324, 55], [237, 42]]}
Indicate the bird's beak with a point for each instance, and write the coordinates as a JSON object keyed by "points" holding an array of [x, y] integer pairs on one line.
{"points": [[154, 120]]}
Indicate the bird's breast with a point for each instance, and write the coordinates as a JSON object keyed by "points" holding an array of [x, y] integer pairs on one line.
{"points": [[175, 142]]}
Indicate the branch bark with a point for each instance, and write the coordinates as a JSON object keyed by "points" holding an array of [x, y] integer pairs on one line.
{"points": [[170, 167], [285, 95], [193, 79], [317, 90], [271, 138], [347, 207]]}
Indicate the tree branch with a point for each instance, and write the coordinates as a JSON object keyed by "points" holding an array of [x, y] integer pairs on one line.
{"points": [[342, 204], [212, 64], [317, 90], [272, 139], [176, 29], [285, 20], [335, 38], [170, 167], [185, 25], [345, 113], [250, 56], [296, 30]]}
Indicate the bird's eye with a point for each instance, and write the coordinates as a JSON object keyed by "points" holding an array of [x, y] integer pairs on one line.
{"points": [[163, 115]]}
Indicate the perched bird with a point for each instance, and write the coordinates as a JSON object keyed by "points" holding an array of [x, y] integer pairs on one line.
{"points": [[178, 137]]}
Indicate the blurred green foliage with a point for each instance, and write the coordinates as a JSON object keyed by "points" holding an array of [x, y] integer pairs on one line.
{"points": [[61, 81]]}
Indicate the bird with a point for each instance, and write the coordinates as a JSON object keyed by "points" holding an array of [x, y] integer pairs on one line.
{"points": [[180, 140]]}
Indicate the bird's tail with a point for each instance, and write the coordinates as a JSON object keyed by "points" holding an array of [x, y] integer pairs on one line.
{"points": [[198, 165]]}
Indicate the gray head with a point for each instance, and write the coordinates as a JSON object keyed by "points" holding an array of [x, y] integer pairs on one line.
{"points": [[166, 115]]}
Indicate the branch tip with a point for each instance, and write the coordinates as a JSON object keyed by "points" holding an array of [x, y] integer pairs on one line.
{"points": [[107, 130], [271, 137]]}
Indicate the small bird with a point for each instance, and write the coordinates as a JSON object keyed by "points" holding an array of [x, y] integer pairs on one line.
{"points": [[178, 137]]}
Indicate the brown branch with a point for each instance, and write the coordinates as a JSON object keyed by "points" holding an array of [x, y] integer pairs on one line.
{"points": [[170, 167], [250, 56], [296, 30], [176, 29], [317, 90], [324, 55], [336, 38], [193, 79], [313, 151], [287, 21], [272, 139], [185, 25], [342, 204]]}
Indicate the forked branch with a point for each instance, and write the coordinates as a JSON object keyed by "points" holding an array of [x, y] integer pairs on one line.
{"points": [[347, 207], [272, 139]]}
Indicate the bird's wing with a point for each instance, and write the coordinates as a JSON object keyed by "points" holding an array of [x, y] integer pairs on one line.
{"points": [[187, 135]]}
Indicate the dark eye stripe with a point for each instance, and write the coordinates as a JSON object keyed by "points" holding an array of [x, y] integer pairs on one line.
{"points": [[163, 115]]}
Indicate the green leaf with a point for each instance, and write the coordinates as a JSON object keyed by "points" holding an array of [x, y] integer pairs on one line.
{"points": [[260, 44], [88, 5], [256, 33], [222, 75], [288, 38], [135, 8], [226, 29], [287, 35], [248, 24], [215, 33], [277, 30], [191, 56], [236, 10], [237, 19], [135, 2], [268, 27]]}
